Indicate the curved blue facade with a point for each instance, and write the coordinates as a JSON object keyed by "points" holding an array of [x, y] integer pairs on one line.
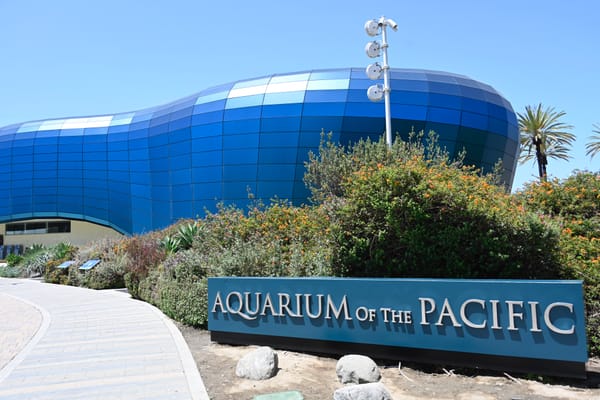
{"points": [[142, 170]]}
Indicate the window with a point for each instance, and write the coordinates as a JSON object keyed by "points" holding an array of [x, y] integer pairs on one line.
{"points": [[38, 227]]}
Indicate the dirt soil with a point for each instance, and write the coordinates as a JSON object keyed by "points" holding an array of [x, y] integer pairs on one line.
{"points": [[314, 377]]}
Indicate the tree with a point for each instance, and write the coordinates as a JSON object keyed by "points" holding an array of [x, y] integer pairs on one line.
{"points": [[543, 132], [593, 147]]}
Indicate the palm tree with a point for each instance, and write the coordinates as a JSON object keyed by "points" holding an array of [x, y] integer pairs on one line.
{"points": [[543, 132], [593, 147]]}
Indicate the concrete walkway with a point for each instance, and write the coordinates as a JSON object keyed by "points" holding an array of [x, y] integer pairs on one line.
{"points": [[62, 342]]}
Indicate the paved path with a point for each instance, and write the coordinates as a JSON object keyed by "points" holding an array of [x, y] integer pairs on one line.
{"points": [[89, 344]]}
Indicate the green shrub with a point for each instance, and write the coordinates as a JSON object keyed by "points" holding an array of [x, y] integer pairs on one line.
{"points": [[13, 260]]}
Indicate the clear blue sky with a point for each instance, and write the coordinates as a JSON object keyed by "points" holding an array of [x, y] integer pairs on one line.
{"points": [[64, 58]]}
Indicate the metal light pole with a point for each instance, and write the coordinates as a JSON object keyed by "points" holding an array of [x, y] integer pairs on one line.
{"points": [[374, 71]]}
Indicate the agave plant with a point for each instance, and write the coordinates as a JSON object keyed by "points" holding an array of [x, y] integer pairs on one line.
{"points": [[171, 244]]}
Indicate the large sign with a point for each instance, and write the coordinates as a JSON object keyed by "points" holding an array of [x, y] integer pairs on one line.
{"points": [[514, 318]]}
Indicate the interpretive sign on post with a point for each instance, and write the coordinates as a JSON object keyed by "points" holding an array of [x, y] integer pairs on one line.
{"points": [[541, 320]]}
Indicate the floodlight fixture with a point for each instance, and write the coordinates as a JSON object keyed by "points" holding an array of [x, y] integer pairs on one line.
{"points": [[373, 49], [375, 92], [374, 71], [372, 27]]}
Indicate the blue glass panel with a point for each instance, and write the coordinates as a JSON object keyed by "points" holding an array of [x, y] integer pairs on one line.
{"points": [[331, 74], [303, 76], [181, 148], [242, 156], [208, 191], [181, 209], [158, 130], [71, 132], [140, 154], [446, 131], [279, 139], [161, 193], [410, 86], [444, 101], [326, 96], [182, 192], [137, 176], [282, 110], [95, 131], [208, 158], [443, 115], [240, 141], [366, 109], [241, 126], [245, 101], [444, 88], [406, 97], [239, 191], [242, 113], [361, 84], [309, 139], [317, 124], [281, 155], [276, 172], [270, 190], [497, 126], [284, 98], [180, 123], [472, 137], [472, 93], [280, 124], [159, 119], [161, 177], [140, 191], [117, 129], [117, 176], [139, 143], [416, 113], [209, 107], [46, 141], [206, 143], [116, 138], [239, 172], [207, 174], [155, 142], [181, 177], [318, 109], [472, 120], [46, 157], [207, 130], [27, 143], [497, 112]]}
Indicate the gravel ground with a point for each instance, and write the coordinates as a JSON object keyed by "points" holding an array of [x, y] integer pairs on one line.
{"points": [[314, 377]]}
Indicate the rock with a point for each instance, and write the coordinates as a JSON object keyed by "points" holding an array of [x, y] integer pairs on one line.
{"points": [[355, 368], [258, 365], [367, 391]]}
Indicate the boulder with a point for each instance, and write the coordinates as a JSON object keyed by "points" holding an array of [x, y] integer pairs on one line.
{"points": [[355, 368], [258, 365], [367, 391]]}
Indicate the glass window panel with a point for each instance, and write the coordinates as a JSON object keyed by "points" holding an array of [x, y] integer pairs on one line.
{"points": [[181, 177], [210, 107], [178, 136], [210, 130], [317, 124], [240, 141], [472, 93], [330, 74], [206, 143], [281, 155], [239, 172], [269, 190], [181, 148], [289, 78], [276, 172], [52, 125], [238, 191], [280, 124], [181, 209], [444, 115], [284, 98], [444, 101], [209, 190], [71, 132], [121, 119], [326, 96], [283, 87], [241, 126], [253, 91], [330, 84], [212, 97], [181, 123], [497, 112], [252, 82], [47, 134], [242, 113], [30, 127], [246, 101], [208, 158], [473, 120], [282, 110], [139, 126], [323, 109], [358, 96], [365, 125], [180, 162], [207, 174], [242, 156], [365, 109], [207, 118], [362, 84], [497, 126]]}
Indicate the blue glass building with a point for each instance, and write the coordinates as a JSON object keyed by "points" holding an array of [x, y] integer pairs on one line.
{"points": [[142, 170]]}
